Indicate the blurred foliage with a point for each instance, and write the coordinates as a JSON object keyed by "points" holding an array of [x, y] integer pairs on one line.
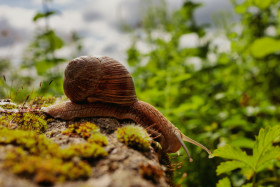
{"points": [[42, 52], [4, 66], [41, 67], [264, 157], [216, 102]]}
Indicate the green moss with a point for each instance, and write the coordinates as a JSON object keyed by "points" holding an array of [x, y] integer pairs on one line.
{"points": [[90, 150], [43, 101], [29, 141], [99, 139], [44, 170], [85, 130], [4, 123], [135, 137], [88, 131], [9, 106], [40, 159], [85, 151], [25, 121], [41, 146]]}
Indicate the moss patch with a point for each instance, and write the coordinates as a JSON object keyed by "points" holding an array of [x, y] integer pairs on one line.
{"points": [[36, 157], [88, 131], [85, 151], [84, 130], [99, 139], [29, 141], [43, 101], [25, 121], [9, 106], [135, 137], [44, 170]]}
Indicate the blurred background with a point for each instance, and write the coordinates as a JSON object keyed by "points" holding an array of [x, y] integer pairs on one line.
{"points": [[211, 67]]}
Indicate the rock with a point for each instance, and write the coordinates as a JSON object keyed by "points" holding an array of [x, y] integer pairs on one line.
{"points": [[123, 167]]}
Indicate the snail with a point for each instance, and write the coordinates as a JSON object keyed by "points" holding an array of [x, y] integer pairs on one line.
{"points": [[103, 87]]}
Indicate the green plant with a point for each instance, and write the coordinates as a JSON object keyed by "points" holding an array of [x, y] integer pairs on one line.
{"points": [[41, 52], [221, 100], [262, 162], [175, 79], [41, 58], [4, 67]]}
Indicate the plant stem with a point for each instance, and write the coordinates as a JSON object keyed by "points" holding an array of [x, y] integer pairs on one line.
{"points": [[254, 180]]}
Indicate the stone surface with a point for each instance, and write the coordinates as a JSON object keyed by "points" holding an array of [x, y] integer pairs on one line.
{"points": [[123, 167]]}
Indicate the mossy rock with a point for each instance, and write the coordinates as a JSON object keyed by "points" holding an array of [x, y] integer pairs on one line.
{"points": [[80, 158], [44, 170]]}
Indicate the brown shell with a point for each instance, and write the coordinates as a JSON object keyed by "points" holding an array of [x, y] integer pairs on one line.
{"points": [[98, 79]]}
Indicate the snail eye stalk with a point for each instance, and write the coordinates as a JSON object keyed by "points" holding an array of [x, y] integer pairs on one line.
{"points": [[184, 147], [185, 138]]}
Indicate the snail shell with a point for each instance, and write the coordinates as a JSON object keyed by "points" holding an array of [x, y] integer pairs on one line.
{"points": [[107, 81]]}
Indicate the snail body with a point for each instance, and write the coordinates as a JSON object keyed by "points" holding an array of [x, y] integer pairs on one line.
{"points": [[102, 87]]}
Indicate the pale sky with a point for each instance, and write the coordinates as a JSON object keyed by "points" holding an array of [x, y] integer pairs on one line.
{"points": [[98, 22]]}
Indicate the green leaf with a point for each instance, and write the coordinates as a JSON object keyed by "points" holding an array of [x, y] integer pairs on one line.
{"points": [[234, 153], [43, 66], [38, 16], [265, 46], [59, 60], [41, 15], [264, 153], [54, 42], [225, 167], [133, 56], [263, 150], [224, 182], [262, 4], [242, 142], [248, 172], [235, 121], [265, 139], [240, 9], [181, 77], [266, 159]]}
